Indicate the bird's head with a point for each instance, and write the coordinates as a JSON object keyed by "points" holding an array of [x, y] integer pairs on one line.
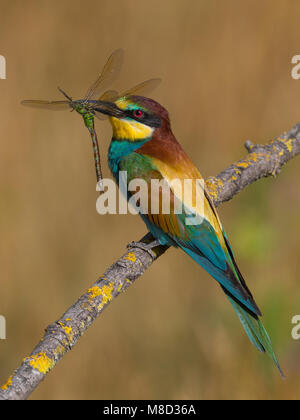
{"points": [[134, 118]]}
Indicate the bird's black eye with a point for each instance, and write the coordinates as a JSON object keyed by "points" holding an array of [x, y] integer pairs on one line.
{"points": [[137, 113]]}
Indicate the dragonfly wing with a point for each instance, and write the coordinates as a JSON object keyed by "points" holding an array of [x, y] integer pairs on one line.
{"points": [[53, 105], [142, 88], [109, 95], [109, 73], [100, 117]]}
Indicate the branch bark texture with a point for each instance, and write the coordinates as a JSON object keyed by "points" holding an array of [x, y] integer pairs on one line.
{"points": [[62, 335]]}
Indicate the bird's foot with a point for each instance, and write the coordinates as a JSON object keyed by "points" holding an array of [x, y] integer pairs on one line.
{"points": [[145, 247]]}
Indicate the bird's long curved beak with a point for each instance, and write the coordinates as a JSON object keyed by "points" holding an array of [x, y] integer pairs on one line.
{"points": [[108, 108]]}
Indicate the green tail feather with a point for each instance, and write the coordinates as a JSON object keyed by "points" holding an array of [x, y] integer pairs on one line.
{"points": [[255, 331]]}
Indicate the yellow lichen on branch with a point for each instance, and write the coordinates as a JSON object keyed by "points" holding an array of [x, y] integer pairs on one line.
{"points": [[41, 362], [131, 257], [7, 384]]}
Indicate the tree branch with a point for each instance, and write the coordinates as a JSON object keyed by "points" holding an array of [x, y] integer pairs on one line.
{"points": [[62, 335]]}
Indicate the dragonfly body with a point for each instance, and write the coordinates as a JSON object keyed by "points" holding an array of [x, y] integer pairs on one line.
{"points": [[84, 107], [88, 118], [86, 111]]}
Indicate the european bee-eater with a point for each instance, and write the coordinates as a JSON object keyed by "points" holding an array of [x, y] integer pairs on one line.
{"points": [[143, 145]]}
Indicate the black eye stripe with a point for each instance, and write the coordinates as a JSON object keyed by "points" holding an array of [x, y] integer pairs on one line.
{"points": [[147, 119], [132, 113]]}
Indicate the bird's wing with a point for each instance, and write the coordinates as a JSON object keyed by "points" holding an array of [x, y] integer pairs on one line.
{"points": [[202, 237], [206, 243]]}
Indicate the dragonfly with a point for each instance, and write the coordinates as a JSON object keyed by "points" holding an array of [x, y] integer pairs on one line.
{"points": [[86, 107]]}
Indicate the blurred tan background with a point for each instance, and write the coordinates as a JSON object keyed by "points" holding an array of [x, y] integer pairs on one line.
{"points": [[226, 78]]}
